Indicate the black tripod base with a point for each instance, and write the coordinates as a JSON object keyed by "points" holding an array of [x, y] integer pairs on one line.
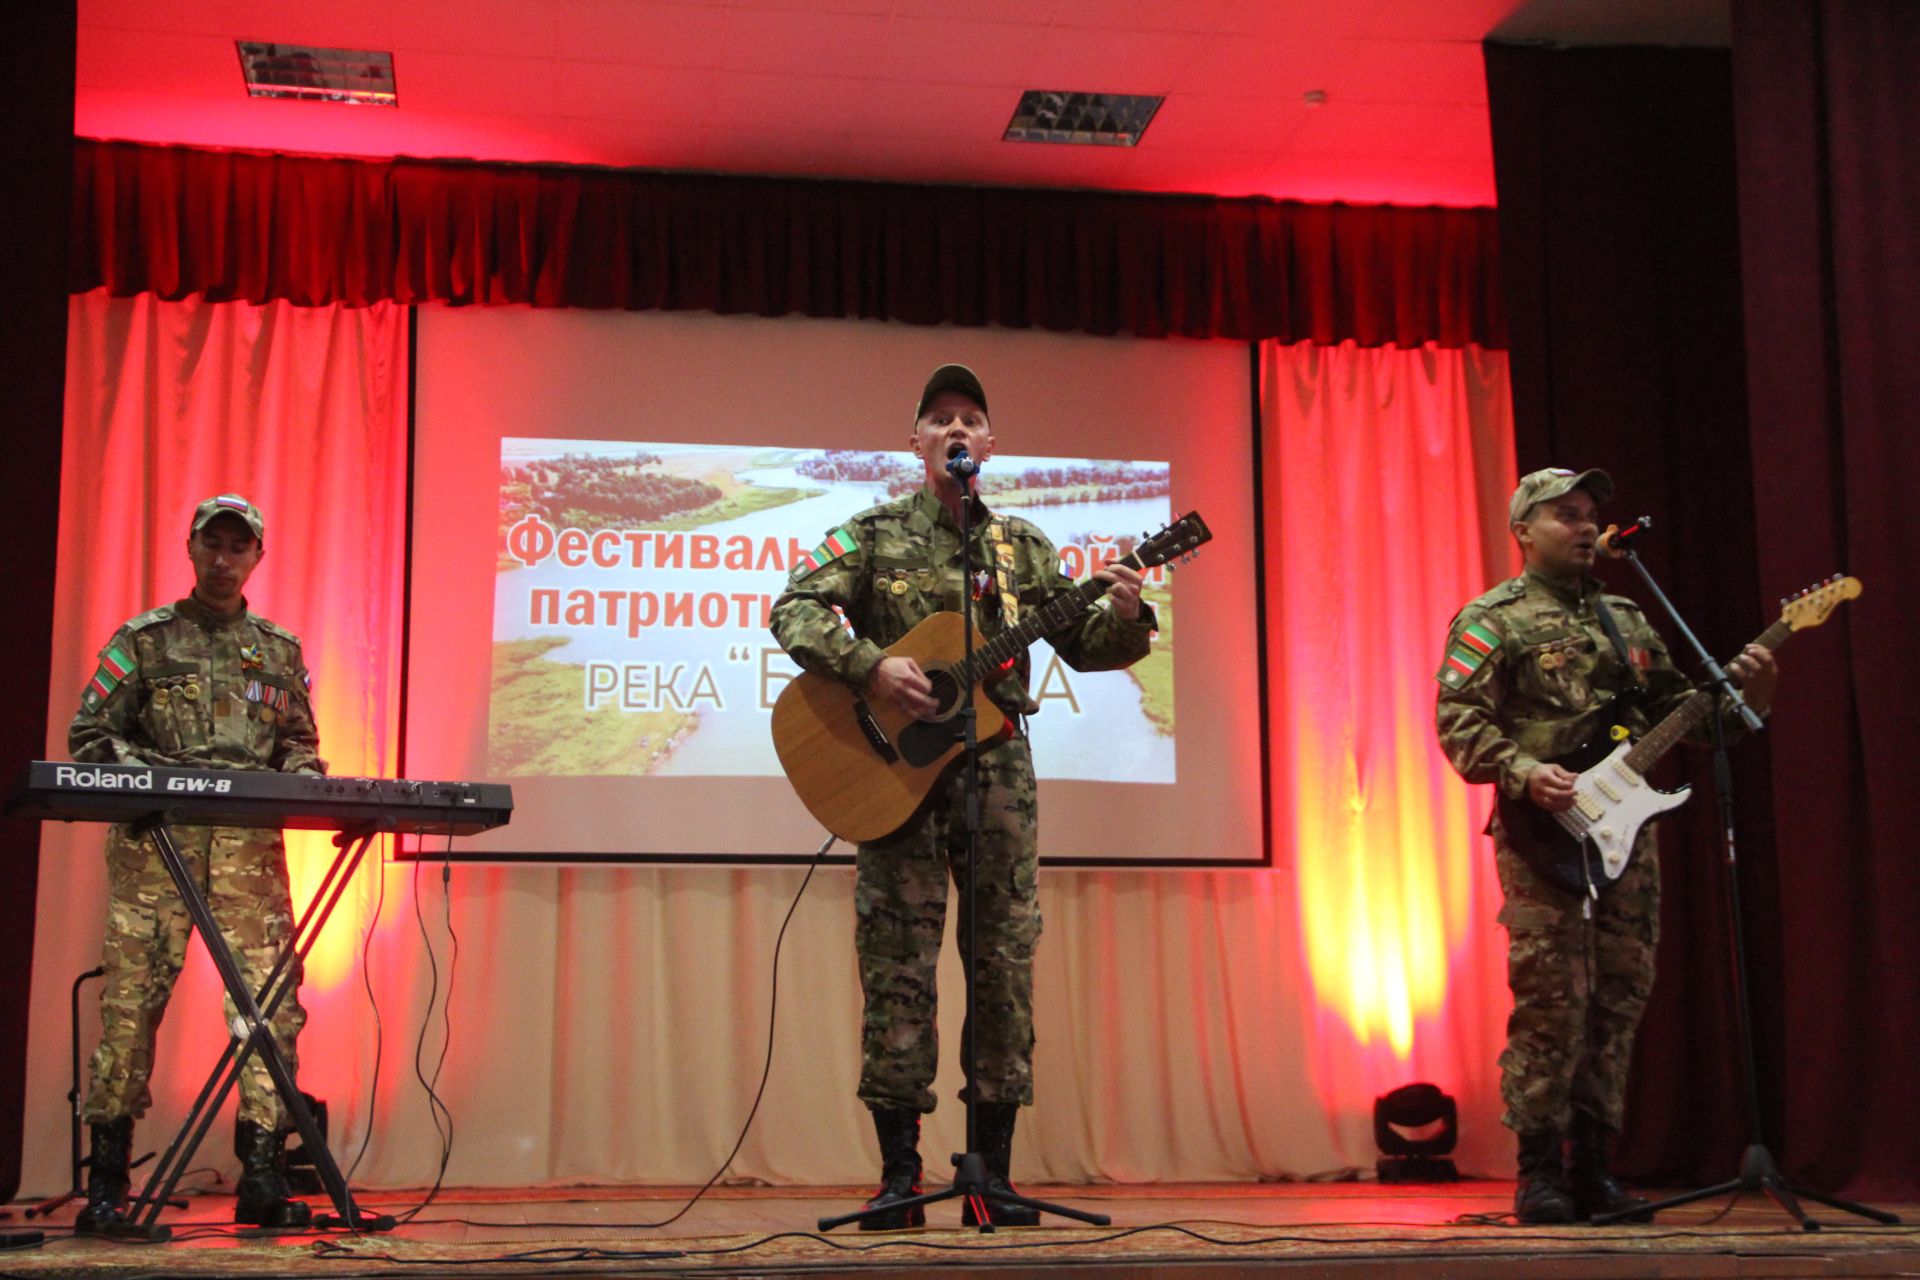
{"points": [[970, 1183], [1758, 1172]]}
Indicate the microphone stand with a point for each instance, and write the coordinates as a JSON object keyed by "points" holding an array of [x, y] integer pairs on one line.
{"points": [[970, 1178], [1759, 1171]]}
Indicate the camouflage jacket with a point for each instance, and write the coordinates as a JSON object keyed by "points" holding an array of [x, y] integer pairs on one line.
{"points": [[893, 566], [1529, 672], [181, 685]]}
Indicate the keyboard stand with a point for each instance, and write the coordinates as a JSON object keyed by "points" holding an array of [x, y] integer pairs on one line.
{"points": [[251, 1034]]}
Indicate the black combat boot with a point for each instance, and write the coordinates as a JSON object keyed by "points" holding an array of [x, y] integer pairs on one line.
{"points": [[264, 1199], [995, 1121], [108, 1175], [1541, 1199], [1594, 1190], [898, 1129]]}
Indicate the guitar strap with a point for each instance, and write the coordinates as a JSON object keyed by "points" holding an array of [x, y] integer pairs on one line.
{"points": [[1003, 570], [1623, 703], [1611, 626]]}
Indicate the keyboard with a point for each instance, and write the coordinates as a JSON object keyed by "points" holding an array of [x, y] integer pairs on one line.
{"points": [[66, 792]]}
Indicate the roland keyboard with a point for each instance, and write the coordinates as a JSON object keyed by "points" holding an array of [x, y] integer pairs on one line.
{"points": [[59, 791]]}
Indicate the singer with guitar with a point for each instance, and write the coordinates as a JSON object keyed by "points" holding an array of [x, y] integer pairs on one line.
{"points": [[1533, 670], [884, 571]]}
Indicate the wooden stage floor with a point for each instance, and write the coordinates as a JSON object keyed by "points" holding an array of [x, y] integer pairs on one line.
{"points": [[1205, 1231]]}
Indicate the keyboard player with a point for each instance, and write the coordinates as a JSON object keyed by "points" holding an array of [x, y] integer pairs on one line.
{"points": [[203, 682]]}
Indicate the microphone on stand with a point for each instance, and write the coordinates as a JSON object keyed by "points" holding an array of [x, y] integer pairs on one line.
{"points": [[962, 467], [1616, 541]]}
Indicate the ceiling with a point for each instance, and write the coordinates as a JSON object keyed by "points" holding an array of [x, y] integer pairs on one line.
{"points": [[916, 90]]}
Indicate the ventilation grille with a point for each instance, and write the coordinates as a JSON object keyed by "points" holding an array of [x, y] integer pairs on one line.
{"points": [[318, 75], [1086, 119]]}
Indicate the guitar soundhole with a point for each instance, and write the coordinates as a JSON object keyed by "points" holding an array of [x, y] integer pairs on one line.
{"points": [[946, 693]]}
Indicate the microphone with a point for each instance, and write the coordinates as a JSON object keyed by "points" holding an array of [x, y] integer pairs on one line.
{"points": [[961, 466], [1616, 541]]}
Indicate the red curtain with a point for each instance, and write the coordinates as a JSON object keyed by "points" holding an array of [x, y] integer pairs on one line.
{"points": [[1829, 169], [314, 231], [1387, 475]]}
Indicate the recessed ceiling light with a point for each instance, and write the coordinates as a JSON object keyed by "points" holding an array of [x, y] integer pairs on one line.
{"points": [[1088, 119], [320, 75]]}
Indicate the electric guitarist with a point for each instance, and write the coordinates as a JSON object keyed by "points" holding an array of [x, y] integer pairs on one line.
{"points": [[886, 570], [1532, 670]]}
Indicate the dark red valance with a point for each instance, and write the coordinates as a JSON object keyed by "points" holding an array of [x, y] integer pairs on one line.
{"points": [[230, 225]]}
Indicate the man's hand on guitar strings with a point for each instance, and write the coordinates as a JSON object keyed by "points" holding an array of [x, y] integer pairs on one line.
{"points": [[1551, 787], [1124, 589], [902, 682]]}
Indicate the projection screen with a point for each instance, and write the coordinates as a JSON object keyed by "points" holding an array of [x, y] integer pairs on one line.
{"points": [[605, 506]]}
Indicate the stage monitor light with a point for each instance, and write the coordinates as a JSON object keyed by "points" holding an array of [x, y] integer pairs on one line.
{"points": [[1415, 1127]]}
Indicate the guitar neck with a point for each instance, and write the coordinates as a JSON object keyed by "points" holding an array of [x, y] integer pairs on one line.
{"points": [[994, 654], [1661, 738]]}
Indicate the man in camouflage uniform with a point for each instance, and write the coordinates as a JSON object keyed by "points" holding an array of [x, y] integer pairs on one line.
{"points": [[200, 683], [889, 568], [1529, 676]]}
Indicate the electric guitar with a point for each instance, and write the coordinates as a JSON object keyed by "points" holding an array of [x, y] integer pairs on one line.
{"points": [[1584, 849], [862, 768]]}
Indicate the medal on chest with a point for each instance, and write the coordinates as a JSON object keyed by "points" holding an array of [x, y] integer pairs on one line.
{"points": [[265, 695]]}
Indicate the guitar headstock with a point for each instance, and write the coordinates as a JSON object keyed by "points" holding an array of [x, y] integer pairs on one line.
{"points": [[1182, 537], [1809, 608]]}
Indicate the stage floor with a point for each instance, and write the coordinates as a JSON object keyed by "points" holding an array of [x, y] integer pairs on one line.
{"points": [[1346, 1229]]}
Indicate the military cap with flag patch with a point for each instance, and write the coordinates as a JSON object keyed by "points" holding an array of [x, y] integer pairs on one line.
{"points": [[229, 504], [1556, 482]]}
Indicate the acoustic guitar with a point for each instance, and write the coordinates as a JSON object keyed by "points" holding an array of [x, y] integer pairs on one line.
{"points": [[1586, 848], [863, 767]]}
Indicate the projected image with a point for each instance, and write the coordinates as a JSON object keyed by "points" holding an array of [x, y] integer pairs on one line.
{"points": [[634, 583]]}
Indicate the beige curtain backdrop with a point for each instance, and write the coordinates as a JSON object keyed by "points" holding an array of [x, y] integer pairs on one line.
{"points": [[610, 1024]]}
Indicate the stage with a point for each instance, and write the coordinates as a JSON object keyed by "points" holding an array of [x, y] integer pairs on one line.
{"points": [[1167, 1230]]}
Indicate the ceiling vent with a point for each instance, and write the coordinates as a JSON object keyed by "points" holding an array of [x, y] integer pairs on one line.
{"points": [[318, 75], [1090, 119]]}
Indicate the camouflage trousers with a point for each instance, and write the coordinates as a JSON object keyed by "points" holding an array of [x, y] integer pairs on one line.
{"points": [[1580, 984], [900, 905], [243, 872]]}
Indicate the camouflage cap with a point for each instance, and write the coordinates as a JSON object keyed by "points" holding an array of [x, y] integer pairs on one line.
{"points": [[1552, 482], [951, 377], [229, 504]]}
